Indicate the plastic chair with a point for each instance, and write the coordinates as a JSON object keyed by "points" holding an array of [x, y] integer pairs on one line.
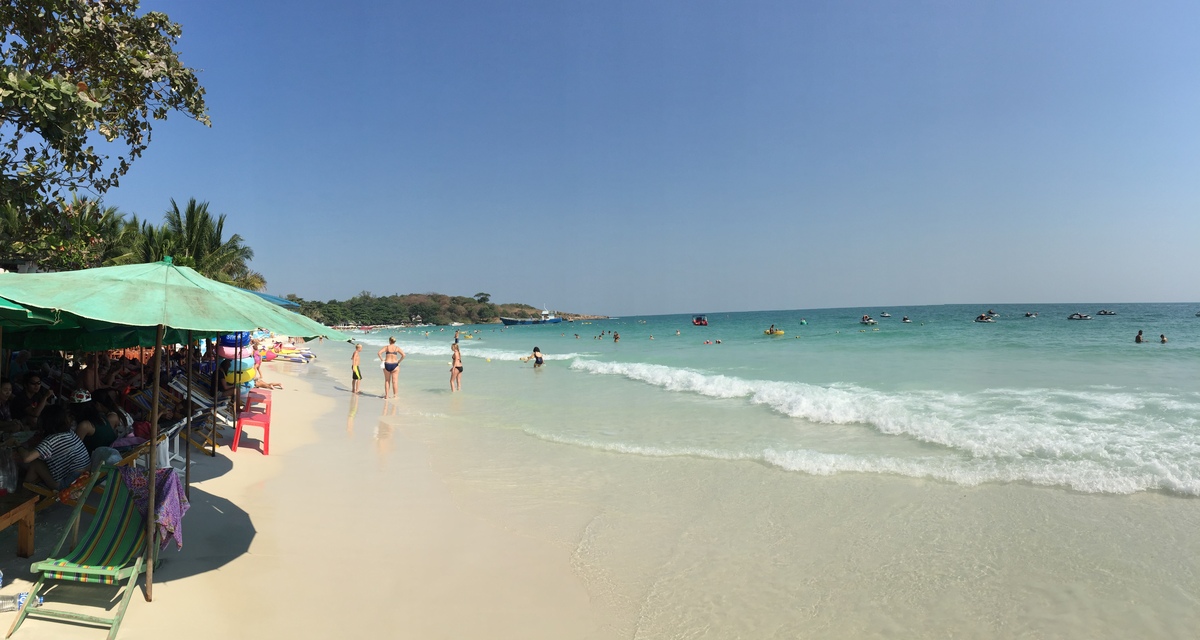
{"points": [[254, 419]]}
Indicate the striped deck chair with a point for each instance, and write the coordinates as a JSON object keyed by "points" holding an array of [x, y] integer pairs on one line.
{"points": [[202, 399], [110, 552], [144, 398]]}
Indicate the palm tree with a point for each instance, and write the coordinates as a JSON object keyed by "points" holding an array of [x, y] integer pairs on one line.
{"points": [[198, 243]]}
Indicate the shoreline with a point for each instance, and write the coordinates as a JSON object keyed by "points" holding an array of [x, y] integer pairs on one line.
{"points": [[435, 521]]}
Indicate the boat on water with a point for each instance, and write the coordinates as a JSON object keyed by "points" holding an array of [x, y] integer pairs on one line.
{"points": [[992, 313], [868, 320], [773, 332], [1030, 314], [983, 317], [1106, 312], [906, 320], [1079, 316], [546, 318], [885, 315], [700, 321]]}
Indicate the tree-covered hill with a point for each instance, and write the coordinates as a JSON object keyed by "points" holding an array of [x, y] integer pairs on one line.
{"points": [[429, 308]]}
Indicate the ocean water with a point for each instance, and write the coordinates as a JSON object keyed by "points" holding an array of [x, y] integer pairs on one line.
{"points": [[1030, 477], [1075, 405]]}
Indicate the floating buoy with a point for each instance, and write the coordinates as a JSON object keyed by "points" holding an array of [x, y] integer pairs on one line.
{"points": [[235, 340], [233, 353], [240, 377], [241, 365]]}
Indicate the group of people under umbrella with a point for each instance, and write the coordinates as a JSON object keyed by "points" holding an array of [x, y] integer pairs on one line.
{"points": [[142, 305]]}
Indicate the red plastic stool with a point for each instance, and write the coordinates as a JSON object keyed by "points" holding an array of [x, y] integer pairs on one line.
{"points": [[254, 419]]}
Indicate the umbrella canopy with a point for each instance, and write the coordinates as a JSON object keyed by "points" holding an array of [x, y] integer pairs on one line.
{"points": [[283, 302], [152, 294], [15, 316]]}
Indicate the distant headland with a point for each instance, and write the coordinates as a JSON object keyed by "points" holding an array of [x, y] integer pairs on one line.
{"points": [[420, 308]]}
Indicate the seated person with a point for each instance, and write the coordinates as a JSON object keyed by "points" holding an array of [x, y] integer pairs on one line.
{"points": [[220, 388], [60, 457], [27, 403], [90, 424], [7, 422]]}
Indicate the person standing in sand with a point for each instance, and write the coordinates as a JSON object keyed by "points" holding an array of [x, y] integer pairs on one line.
{"points": [[355, 372], [391, 356], [456, 369]]}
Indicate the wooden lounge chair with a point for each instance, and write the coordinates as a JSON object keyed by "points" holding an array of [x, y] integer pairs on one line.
{"points": [[110, 552]]}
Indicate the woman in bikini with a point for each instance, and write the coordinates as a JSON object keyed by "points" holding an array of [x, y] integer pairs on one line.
{"points": [[391, 356], [456, 369]]}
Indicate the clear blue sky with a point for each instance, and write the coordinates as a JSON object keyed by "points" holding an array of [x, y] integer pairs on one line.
{"points": [[678, 157]]}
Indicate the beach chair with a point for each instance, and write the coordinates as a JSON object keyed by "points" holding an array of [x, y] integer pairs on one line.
{"points": [[202, 399], [171, 443], [110, 553]]}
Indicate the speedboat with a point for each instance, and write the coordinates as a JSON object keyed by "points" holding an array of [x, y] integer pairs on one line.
{"points": [[700, 321], [1106, 312], [983, 317], [1079, 316], [885, 315], [992, 313], [868, 320], [1030, 314], [906, 320]]}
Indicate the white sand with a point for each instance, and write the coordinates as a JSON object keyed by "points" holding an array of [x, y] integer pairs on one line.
{"points": [[344, 540]]}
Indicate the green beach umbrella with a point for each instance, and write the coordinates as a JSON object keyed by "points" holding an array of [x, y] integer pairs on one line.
{"points": [[153, 294], [118, 306]]}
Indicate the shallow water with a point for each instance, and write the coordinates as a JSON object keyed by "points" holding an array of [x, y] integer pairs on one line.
{"points": [[1073, 404], [947, 479]]}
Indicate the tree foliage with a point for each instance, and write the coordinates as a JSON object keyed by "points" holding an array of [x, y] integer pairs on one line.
{"points": [[194, 238], [429, 308], [75, 73], [78, 235]]}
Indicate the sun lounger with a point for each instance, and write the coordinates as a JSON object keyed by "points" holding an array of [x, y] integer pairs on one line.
{"points": [[110, 552]]}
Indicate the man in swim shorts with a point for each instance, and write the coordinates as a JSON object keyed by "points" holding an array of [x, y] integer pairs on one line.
{"points": [[355, 373]]}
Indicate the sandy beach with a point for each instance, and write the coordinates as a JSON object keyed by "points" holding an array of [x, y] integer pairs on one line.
{"points": [[412, 519], [344, 530]]}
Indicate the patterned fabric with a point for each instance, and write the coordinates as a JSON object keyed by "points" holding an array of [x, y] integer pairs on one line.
{"points": [[169, 496], [75, 489]]}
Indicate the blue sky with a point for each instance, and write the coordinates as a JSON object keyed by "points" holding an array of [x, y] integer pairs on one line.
{"points": [[680, 157]]}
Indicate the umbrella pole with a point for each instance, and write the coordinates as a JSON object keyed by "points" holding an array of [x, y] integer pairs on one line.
{"points": [[237, 395], [212, 421], [187, 402], [151, 511]]}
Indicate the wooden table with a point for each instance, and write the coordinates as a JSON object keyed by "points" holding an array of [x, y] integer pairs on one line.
{"points": [[23, 515]]}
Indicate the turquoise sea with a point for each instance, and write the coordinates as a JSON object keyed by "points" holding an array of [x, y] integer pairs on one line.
{"points": [[1044, 400], [1029, 477]]}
